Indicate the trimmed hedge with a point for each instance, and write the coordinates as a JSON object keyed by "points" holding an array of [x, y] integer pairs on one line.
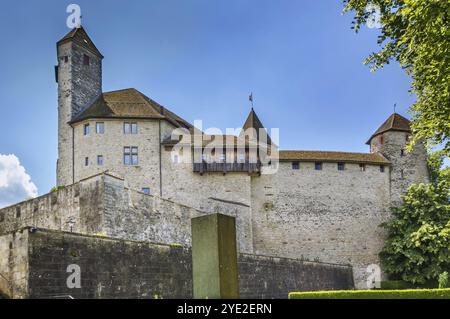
{"points": [[374, 294]]}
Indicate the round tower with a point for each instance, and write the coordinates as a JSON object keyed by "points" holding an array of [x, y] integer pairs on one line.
{"points": [[406, 168], [79, 78]]}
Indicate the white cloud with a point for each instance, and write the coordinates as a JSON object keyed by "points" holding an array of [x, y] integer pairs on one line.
{"points": [[15, 183]]}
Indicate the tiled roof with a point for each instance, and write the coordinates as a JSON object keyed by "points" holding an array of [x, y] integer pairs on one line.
{"points": [[395, 122], [80, 35], [324, 156], [129, 103], [253, 121]]}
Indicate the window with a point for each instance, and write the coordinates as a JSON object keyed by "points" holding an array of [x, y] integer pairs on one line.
{"points": [[18, 213], [241, 158], [381, 139], [175, 159], [86, 161], [340, 166], [130, 128], [2, 217], [295, 165], [86, 59], [100, 160], [318, 166], [100, 128], [130, 155], [407, 138], [402, 153], [362, 167], [382, 168], [87, 129], [402, 174], [146, 190], [66, 59]]}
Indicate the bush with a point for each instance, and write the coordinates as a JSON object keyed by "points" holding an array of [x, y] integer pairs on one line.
{"points": [[443, 280], [374, 294]]}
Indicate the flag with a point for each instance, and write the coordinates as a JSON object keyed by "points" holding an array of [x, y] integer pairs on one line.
{"points": [[250, 98]]}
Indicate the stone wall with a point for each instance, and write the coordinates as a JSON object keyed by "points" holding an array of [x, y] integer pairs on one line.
{"points": [[113, 268], [327, 215], [14, 264], [103, 205]]}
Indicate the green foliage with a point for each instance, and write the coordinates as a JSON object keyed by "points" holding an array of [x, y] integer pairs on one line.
{"points": [[56, 189], [418, 246], [415, 34], [374, 294], [443, 280], [435, 165]]}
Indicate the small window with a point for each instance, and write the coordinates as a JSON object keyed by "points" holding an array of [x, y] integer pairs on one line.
{"points": [[100, 127], [318, 166], [402, 153], [18, 212], [130, 128], [134, 128], [100, 160], [402, 174], [362, 167], [2, 217], [295, 165], [382, 168], [86, 59], [341, 166], [130, 155], [87, 129], [66, 59], [146, 190], [381, 139], [86, 161], [407, 136]]}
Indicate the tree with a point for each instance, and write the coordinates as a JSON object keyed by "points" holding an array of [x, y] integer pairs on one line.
{"points": [[415, 33], [418, 246]]}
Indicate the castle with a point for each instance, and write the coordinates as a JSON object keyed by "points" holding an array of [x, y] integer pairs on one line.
{"points": [[318, 205]]}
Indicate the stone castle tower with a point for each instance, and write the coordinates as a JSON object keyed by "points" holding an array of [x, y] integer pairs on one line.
{"points": [[79, 77], [390, 140]]}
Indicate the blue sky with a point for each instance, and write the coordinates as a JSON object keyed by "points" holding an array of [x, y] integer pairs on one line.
{"points": [[201, 59]]}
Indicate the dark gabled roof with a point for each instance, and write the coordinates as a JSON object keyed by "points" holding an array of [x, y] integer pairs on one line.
{"points": [[80, 36], [395, 122], [129, 103], [325, 156], [254, 122]]}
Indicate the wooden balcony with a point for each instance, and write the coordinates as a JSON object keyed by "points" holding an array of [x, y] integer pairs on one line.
{"points": [[251, 168]]}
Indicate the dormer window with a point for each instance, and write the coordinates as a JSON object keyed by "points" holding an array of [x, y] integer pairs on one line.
{"points": [[86, 59]]}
